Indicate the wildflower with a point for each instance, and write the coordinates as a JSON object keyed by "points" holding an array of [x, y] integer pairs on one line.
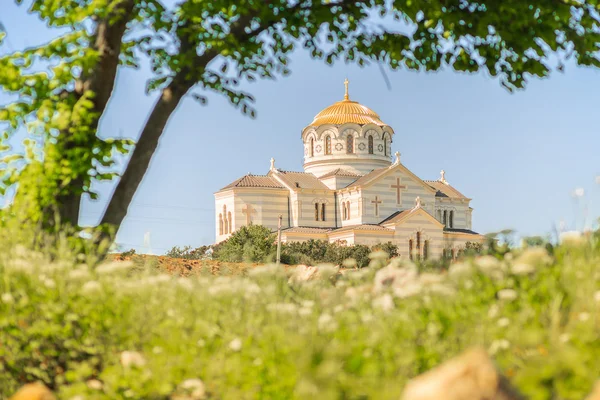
{"points": [[94, 384], [384, 302], [350, 263], [185, 283], [392, 276], [338, 308], [326, 322], [597, 296], [522, 269], [190, 389], [572, 239], [304, 311], [493, 311], [459, 269], [91, 287], [79, 273], [288, 308], [235, 344], [584, 316], [498, 345], [487, 264], [564, 338], [132, 359], [7, 298], [503, 322], [49, 283], [408, 290], [114, 267], [507, 294], [308, 303]]}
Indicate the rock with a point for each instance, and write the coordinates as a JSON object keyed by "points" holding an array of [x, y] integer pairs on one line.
{"points": [[33, 391], [470, 376]]}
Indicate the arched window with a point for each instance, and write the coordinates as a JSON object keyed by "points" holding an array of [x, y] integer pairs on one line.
{"points": [[385, 146], [445, 218], [426, 250], [225, 219], [371, 144], [327, 144], [316, 211], [312, 147], [451, 221], [323, 212], [350, 144], [220, 224], [344, 212], [418, 245], [229, 218], [410, 249], [348, 208]]}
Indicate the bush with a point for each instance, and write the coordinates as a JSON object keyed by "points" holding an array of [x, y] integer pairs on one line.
{"points": [[251, 243], [187, 252]]}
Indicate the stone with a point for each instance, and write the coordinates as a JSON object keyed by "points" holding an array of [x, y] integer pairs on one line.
{"points": [[471, 376], [33, 391]]}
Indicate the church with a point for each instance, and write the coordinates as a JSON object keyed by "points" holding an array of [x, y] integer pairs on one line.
{"points": [[351, 190]]}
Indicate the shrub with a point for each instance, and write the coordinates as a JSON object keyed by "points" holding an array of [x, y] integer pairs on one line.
{"points": [[187, 252], [251, 243]]}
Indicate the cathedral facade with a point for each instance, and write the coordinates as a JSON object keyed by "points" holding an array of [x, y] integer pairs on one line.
{"points": [[353, 190]]}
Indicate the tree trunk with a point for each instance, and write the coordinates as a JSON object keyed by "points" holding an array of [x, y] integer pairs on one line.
{"points": [[101, 80], [143, 152]]}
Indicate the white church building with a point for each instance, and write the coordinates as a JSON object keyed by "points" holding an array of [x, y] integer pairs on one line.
{"points": [[352, 191]]}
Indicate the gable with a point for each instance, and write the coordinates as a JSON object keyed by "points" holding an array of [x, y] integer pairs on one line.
{"points": [[412, 215], [378, 174]]}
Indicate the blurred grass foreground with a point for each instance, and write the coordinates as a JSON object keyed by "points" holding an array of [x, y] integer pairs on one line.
{"points": [[118, 331]]}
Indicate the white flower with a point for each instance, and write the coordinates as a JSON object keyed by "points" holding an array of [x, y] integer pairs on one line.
{"points": [[498, 345], [503, 322], [564, 338], [114, 267], [79, 273], [49, 283], [304, 311], [597, 296], [459, 269], [522, 269], [308, 303], [326, 322], [507, 294], [91, 287], [394, 277], [384, 302], [572, 238], [487, 264], [94, 384], [235, 344], [288, 308], [7, 298], [191, 389], [132, 359], [493, 311], [186, 284], [584, 316], [408, 290]]}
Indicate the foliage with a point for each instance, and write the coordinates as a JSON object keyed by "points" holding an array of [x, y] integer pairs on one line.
{"points": [[108, 333], [62, 87], [251, 243], [187, 252]]}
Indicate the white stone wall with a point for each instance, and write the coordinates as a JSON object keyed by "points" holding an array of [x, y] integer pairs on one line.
{"points": [[382, 188], [462, 218], [267, 205]]}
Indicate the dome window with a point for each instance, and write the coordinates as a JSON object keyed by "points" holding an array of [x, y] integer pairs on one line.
{"points": [[350, 144], [312, 147], [327, 144], [370, 144]]}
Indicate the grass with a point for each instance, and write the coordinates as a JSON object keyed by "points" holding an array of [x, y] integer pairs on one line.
{"points": [[123, 331]]}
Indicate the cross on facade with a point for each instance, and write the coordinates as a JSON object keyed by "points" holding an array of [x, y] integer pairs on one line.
{"points": [[377, 202], [398, 186], [248, 210]]}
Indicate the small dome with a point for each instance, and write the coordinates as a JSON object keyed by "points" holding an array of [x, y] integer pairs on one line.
{"points": [[347, 111]]}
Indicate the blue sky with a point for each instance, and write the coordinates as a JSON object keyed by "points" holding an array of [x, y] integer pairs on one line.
{"points": [[519, 156]]}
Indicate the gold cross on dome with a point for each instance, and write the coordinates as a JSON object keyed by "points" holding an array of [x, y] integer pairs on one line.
{"points": [[346, 97]]}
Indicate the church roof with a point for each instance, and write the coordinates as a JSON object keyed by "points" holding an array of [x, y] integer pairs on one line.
{"points": [[300, 180], [258, 181], [455, 230], [340, 172], [347, 111], [368, 177], [363, 227], [445, 190], [306, 229]]}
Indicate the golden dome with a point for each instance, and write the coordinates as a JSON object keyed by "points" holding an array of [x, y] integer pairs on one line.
{"points": [[347, 111]]}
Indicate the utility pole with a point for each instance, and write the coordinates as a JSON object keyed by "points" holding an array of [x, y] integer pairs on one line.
{"points": [[279, 240]]}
